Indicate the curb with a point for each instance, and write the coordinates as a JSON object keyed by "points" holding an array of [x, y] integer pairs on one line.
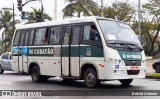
{"points": [[152, 77]]}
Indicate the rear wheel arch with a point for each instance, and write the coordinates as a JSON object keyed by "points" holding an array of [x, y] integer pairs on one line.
{"points": [[31, 65]]}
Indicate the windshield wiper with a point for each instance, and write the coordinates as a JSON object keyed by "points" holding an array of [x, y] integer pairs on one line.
{"points": [[119, 44], [135, 46], [130, 46]]}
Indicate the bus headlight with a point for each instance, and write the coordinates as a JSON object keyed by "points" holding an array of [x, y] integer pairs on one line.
{"points": [[115, 61]]}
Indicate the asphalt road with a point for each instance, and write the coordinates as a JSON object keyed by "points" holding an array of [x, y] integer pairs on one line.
{"points": [[14, 81]]}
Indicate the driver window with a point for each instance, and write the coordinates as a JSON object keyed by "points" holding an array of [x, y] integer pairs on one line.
{"points": [[90, 33]]}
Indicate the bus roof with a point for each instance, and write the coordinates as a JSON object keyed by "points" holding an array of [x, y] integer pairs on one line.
{"points": [[61, 22]]}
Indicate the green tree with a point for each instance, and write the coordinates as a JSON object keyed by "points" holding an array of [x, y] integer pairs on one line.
{"points": [[76, 8], [147, 34], [6, 22], [121, 10], [153, 9], [32, 16]]}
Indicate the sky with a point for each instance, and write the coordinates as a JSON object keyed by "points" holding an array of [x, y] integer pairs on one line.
{"points": [[49, 6]]}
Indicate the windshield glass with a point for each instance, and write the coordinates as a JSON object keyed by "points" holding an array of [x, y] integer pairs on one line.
{"points": [[117, 31]]}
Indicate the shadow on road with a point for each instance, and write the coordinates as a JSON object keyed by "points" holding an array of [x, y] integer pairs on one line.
{"points": [[62, 84], [11, 73], [154, 79], [80, 84]]}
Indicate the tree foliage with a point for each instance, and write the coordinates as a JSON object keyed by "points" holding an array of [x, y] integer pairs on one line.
{"points": [[31, 16], [6, 22], [121, 10], [76, 8], [153, 9]]}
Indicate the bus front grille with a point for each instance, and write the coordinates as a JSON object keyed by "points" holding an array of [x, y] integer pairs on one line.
{"points": [[133, 72], [132, 63]]}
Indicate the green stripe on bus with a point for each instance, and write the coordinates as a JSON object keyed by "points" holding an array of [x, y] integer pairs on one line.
{"points": [[76, 51], [85, 51], [130, 55]]}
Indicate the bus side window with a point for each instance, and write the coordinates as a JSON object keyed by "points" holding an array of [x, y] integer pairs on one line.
{"points": [[26, 37], [67, 31], [90, 33], [55, 35], [23, 36], [76, 32], [41, 36], [31, 37], [16, 38], [86, 32], [94, 35]]}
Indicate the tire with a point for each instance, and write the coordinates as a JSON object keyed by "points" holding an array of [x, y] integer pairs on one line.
{"points": [[157, 68], [36, 77], [1, 70], [126, 82], [90, 78]]}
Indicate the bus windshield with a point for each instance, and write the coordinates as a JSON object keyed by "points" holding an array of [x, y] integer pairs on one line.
{"points": [[117, 31]]}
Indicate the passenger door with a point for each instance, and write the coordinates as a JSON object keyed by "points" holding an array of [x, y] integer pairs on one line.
{"points": [[65, 51], [15, 51], [70, 51], [75, 51], [23, 50]]}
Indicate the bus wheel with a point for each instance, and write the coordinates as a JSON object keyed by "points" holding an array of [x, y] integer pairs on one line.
{"points": [[1, 70], [90, 78], [126, 82], [36, 77]]}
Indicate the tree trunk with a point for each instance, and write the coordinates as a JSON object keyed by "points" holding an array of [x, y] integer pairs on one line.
{"points": [[154, 39], [79, 14], [152, 48]]}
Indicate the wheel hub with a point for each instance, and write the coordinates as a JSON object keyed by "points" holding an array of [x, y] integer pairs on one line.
{"points": [[90, 78], [35, 74]]}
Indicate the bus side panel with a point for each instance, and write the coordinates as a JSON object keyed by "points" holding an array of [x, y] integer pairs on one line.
{"points": [[48, 58], [94, 56], [23, 67], [25, 59], [74, 60], [65, 60]]}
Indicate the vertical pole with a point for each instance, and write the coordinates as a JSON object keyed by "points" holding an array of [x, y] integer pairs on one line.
{"points": [[13, 18], [55, 9], [5, 49], [102, 14], [139, 20]]}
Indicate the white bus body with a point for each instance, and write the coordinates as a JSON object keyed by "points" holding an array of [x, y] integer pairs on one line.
{"points": [[92, 48]]}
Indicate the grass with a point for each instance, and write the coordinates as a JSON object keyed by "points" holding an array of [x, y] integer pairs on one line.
{"points": [[154, 75]]}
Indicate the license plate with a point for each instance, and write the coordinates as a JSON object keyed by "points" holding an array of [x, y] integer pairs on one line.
{"points": [[135, 68]]}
